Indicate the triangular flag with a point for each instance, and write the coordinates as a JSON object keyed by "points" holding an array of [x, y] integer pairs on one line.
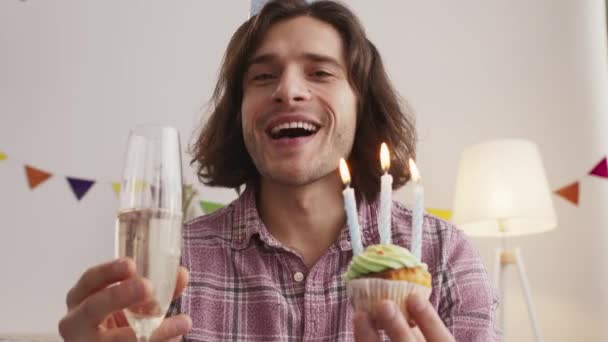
{"points": [[209, 207], [569, 192], [601, 169], [441, 213], [80, 186], [116, 187], [139, 186], [2, 156], [35, 176]]}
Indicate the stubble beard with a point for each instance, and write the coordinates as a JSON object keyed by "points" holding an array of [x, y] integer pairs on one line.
{"points": [[321, 166], [290, 177]]}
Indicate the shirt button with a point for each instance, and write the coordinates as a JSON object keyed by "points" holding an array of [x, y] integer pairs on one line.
{"points": [[298, 277]]}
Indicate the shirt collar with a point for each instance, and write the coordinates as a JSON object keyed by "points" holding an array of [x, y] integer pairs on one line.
{"points": [[367, 212], [247, 223]]}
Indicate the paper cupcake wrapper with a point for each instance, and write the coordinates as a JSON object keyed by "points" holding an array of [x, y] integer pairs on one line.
{"points": [[366, 292]]}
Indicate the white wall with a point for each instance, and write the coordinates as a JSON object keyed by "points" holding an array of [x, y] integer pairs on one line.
{"points": [[477, 70], [76, 75]]}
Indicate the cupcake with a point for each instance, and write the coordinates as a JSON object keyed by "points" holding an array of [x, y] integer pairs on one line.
{"points": [[385, 271]]}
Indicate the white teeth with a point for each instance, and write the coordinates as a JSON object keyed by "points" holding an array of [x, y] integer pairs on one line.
{"points": [[296, 124]]}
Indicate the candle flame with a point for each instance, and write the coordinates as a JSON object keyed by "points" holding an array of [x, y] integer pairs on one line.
{"points": [[385, 158], [344, 172], [414, 173]]}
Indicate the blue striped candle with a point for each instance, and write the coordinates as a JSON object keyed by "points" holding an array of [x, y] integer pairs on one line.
{"points": [[418, 212], [386, 195], [350, 206]]}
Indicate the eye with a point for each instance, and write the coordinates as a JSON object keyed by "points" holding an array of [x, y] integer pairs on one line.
{"points": [[262, 77], [321, 74]]}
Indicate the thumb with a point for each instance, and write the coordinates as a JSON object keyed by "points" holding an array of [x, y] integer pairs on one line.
{"points": [[364, 330], [422, 312], [173, 327]]}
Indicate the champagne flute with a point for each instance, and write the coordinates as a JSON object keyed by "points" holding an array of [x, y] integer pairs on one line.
{"points": [[149, 223]]}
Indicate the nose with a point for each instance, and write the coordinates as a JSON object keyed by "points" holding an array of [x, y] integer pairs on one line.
{"points": [[291, 88]]}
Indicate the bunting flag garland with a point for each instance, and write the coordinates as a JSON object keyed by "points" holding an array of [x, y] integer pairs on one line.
{"points": [[35, 176], [116, 187], [80, 186], [441, 213], [209, 207], [600, 170], [570, 192]]}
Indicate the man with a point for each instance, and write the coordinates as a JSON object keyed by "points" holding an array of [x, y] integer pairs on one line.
{"points": [[300, 87]]}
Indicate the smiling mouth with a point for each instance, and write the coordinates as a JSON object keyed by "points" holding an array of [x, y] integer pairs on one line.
{"points": [[291, 130]]}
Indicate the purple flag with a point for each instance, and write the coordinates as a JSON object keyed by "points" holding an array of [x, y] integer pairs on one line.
{"points": [[601, 169], [80, 186]]}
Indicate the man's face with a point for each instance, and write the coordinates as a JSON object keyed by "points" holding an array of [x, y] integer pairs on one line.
{"points": [[298, 110]]}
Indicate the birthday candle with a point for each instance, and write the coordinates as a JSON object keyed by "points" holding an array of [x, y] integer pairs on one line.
{"points": [[386, 189], [418, 213], [350, 206]]}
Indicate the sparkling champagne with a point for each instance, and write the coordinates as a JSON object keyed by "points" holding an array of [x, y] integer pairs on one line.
{"points": [[152, 238]]}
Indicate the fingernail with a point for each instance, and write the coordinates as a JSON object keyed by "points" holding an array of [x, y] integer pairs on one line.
{"points": [[139, 287], [121, 265], [147, 286], [183, 325], [387, 308], [417, 303]]}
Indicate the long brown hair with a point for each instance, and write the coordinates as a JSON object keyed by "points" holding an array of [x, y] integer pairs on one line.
{"points": [[381, 115]]}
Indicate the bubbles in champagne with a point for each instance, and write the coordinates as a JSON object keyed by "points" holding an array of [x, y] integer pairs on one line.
{"points": [[152, 238]]}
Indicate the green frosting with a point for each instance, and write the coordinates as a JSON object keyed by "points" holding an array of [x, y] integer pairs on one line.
{"points": [[378, 258]]}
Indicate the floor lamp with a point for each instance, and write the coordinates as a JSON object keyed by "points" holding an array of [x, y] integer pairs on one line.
{"points": [[502, 191]]}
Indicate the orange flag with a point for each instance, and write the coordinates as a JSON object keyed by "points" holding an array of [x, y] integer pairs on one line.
{"points": [[570, 192], [35, 176]]}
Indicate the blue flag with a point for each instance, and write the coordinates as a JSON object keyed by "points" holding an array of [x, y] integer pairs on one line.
{"points": [[80, 186]]}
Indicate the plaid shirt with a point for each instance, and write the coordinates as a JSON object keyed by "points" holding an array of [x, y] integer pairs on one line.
{"points": [[245, 285]]}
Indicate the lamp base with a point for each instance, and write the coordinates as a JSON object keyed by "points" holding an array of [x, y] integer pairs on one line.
{"points": [[505, 257]]}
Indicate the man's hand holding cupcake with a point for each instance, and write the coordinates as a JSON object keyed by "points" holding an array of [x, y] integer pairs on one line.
{"points": [[388, 317], [386, 271], [389, 288]]}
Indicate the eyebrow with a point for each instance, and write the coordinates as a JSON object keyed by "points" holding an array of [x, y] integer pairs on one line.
{"points": [[315, 57]]}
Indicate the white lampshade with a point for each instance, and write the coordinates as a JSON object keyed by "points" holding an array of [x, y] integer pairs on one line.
{"points": [[502, 190]]}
